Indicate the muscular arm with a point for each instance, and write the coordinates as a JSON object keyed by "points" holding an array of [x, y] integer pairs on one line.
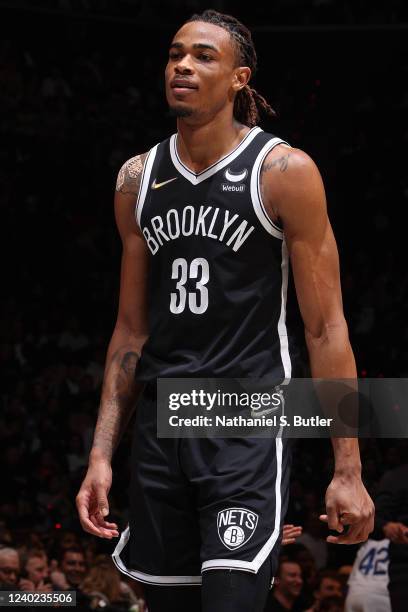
{"points": [[294, 196], [296, 199], [120, 389]]}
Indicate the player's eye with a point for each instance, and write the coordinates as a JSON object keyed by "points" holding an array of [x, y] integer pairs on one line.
{"points": [[174, 55], [205, 57]]}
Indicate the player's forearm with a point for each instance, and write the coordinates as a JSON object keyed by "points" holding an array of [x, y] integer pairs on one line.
{"points": [[346, 457], [119, 393], [330, 352], [331, 357]]}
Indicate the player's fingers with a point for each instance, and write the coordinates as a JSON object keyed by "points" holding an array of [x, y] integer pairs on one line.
{"points": [[102, 523], [333, 518], [87, 525], [102, 500], [349, 518], [109, 525], [103, 532], [354, 535]]}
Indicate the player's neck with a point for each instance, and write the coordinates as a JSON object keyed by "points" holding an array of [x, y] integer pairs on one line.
{"points": [[200, 146]]}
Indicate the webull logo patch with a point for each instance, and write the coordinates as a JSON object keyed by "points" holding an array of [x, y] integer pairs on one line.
{"points": [[236, 526], [236, 188]]}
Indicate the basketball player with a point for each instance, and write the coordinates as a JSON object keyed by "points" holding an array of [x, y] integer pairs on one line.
{"points": [[209, 219], [367, 584]]}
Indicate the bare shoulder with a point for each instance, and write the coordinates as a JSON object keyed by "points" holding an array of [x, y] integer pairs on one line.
{"points": [[288, 175], [129, 177], [285, 159], [127, 189]]}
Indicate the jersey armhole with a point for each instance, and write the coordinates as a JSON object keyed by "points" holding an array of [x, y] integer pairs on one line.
{"points": [[144, 183], [256, 197]]}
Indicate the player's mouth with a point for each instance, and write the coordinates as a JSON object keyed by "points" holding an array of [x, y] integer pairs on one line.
{"points": [[181, 86]]}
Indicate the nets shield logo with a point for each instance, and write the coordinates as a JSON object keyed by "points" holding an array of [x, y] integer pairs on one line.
{"points": [[236, 526]]}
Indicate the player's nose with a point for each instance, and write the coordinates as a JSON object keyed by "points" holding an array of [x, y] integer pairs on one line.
{"points": [[184, 66]]}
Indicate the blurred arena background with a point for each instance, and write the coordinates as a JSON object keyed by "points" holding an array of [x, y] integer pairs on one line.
{"points": [[81, 90]]}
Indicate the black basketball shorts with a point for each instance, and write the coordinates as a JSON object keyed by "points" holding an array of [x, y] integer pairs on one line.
{"points": [[201, 504]]}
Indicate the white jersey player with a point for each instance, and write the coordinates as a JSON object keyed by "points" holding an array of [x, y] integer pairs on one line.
{"points": [[368, 581]]}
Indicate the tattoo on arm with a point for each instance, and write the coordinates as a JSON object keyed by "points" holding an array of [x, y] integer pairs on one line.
{"points": [[282, 162], [130, 175], [118, 399]]}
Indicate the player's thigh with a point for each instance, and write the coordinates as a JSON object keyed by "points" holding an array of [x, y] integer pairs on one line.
{"points": [[173, 598], [236, 590]]}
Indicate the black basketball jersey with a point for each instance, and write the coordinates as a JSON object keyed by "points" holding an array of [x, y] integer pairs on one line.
{"points": [[218, 267]]}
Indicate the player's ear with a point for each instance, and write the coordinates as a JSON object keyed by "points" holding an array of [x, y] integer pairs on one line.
{"points": [[240, 78]]}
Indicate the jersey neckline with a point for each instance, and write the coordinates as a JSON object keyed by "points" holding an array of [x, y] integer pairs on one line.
{"points": [[196, 178]]}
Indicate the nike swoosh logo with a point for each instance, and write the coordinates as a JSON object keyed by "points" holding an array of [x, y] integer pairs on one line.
{"points": [[158, 185], [235, 178]]}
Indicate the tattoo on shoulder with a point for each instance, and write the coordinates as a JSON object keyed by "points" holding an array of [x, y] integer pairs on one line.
{"points": [[281, 162], [130, 174]]}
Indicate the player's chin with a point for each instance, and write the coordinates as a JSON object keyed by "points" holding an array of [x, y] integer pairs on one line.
{"points": [[180, 110]]}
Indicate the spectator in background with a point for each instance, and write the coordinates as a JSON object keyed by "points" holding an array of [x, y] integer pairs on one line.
{"points": [[328, 584], [103, 584], [290, 533], [73, 566], [35, 571], [9, 568], [62, 540], [391, 521], [300, 554], [70, 572], [333, 604], [287, 588]]}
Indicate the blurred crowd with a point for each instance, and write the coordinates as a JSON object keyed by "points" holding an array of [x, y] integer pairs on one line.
{"points": [[72, 111], [60, 563], [299, 12]]}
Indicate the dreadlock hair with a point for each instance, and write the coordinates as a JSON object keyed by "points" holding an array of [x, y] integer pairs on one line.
{"points": [[248, 104]]}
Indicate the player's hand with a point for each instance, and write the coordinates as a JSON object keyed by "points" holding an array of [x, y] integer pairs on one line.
{"points": [[348, 503], [92, 500], [290, 533], [396, 532]]}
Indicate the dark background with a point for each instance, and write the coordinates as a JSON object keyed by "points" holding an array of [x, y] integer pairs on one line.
{"points": [[81, 90]]}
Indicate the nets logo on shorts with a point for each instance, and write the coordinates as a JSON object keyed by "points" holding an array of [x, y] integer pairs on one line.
{"points": [[236, 526]]}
